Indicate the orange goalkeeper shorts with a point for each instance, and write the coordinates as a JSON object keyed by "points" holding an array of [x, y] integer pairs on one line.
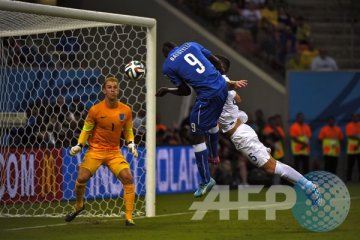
{"points": [[113, 159]]}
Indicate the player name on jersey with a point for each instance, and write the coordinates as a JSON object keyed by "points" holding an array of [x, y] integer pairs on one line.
{"points": [[180, 51]]}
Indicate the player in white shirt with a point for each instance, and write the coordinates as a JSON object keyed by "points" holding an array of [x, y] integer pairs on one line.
{"points": [[232, 122]]}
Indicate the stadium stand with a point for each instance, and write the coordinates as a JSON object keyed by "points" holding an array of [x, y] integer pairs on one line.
{"points": [[335, 26], [289, 33]]}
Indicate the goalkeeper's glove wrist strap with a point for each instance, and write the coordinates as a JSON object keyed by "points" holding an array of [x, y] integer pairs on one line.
{"points": [[80, 145]]}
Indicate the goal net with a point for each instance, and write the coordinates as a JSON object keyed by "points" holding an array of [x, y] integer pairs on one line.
{"points": [[53, 61]]}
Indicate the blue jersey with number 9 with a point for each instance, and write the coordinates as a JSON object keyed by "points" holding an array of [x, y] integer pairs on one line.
{"points": [[189, 63]]}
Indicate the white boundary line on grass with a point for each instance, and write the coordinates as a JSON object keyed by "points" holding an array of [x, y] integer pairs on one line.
{"points": [[82, 222], [117, 219]]}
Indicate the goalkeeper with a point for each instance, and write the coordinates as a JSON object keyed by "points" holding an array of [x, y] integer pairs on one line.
{"points": [[102, 129]]}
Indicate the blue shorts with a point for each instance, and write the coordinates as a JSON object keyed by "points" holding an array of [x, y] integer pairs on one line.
{"points": [[206, 112]]}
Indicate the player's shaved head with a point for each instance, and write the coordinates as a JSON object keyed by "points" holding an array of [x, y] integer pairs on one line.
{"points": [[110, 79], [167, 47]]}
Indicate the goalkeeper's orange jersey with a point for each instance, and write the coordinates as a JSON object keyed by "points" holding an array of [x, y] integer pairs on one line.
{"points": [[107, 125]]}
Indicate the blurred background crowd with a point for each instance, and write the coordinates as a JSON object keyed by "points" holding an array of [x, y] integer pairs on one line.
{"points": [[282, 35]]}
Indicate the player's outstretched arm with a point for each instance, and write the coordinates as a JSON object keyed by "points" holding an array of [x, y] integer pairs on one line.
{"points": [[232, 85], [182, 90]]}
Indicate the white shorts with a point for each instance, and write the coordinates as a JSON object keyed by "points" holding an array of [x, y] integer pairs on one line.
{"points": [[246, 140]]}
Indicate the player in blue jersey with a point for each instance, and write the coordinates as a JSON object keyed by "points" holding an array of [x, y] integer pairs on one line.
{"points": [[192, 65]]}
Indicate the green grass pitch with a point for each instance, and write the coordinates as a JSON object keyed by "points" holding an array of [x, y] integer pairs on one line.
{"points": [[173, 221]]}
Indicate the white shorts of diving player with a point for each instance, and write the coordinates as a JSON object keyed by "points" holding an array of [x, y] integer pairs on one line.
{"points": [[246, 140]]}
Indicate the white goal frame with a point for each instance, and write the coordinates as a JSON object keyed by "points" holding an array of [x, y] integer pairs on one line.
{"points": [[150, 84]]}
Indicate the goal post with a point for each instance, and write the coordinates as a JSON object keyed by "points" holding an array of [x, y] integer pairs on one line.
{"points": [[52, 63]]}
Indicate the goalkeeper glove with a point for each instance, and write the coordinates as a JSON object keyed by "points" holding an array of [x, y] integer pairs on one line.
{"points": [[75, 150], [132, 148]]}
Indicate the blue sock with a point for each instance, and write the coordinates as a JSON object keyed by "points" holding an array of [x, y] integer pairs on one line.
{"points": [[213, 141], [201, 156]]}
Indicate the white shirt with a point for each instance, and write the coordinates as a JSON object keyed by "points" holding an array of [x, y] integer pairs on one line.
{"points": [[323, 64], [231, 112]]}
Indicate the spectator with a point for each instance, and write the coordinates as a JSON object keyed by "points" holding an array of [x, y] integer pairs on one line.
{"points": [[285, 44], [174, 138], [217, 11], [233, 16], [302, 29], [162, 132], [251, 19], [280, 154], [323, 62], [159, 125], [274, 137], [231, 24], [294, 63], [307, 53], [285, 18], [330, 137], [269, 14], [286, 37], [279, 123], [267, 42], [300, 134], [353, 145]]}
